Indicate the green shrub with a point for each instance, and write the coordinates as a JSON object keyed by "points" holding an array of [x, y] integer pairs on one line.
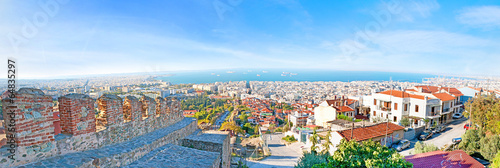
{"points": [[289, 138], [310, 159]]}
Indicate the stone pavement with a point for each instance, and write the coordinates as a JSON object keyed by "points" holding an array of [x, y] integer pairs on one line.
{"points": [[173, 156], [122, 154], [281, 156]]}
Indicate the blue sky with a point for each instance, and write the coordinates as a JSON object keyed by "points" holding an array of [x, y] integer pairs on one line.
{"points": [[73, 37]]}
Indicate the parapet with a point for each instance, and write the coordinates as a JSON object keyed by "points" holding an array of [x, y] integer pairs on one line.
{"points": [[31, 112], [111, 110], [77, 114], [132, 109]]}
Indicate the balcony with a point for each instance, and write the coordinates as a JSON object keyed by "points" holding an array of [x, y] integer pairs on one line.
{"points": [[382, 108], [436, 113]]}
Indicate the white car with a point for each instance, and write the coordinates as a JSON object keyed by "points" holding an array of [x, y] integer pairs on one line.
{"points": [[457, 115], [403, 144]]}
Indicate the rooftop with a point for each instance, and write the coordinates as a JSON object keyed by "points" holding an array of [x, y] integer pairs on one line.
{"points": [[369, 132], [451, 159]]}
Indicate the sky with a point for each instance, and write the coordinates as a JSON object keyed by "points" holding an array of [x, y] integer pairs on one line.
{"points": [[60, 38]]}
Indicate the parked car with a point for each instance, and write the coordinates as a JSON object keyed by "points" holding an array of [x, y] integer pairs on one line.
{"points": [[440, 128], [401, 145], [467, 126], [457, 116], [425, 135], [456, 140]]}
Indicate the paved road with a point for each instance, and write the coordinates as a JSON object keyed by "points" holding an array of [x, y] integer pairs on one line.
{"points": [[219, 121], [281, 156], [454, 129]]}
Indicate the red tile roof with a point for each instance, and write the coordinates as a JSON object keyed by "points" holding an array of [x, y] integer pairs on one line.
{"points": [[444, 96], [401, 94], [443, 159], [342, 109], [434, 89], [365, 133]]}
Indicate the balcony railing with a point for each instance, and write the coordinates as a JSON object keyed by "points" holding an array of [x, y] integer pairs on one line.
{"points": [[384, 108], [436, 112], [445, 110]]}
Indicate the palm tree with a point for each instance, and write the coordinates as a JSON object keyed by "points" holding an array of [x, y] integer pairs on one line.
{"points": [[326, 145], [314, 139]]}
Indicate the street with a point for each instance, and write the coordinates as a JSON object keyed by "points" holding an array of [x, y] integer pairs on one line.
{"points": [[454, 129], [281, 156]]}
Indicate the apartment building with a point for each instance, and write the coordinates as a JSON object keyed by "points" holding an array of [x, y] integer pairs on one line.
{"points": [[437, 104]]}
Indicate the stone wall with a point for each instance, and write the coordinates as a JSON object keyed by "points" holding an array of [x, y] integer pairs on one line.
{"points": [[34, 136], [29, 127], [212, 141]]}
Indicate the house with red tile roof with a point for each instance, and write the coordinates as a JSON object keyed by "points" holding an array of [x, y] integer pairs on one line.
{"points": [[422, 102], [457, 158], [189, 113], [328, 110], [376, 133]]}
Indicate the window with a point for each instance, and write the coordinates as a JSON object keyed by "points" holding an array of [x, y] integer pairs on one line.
{"points": [[406, 107], [395, 106], [374, 101], [374, 113], [416, 108], [395, 119]]}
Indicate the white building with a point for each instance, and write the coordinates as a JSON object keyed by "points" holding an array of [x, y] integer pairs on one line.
{"points": [[417, 104]]}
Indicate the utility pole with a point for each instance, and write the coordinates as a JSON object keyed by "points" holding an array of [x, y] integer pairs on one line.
{"points": [[352, 130], [470, 115]]}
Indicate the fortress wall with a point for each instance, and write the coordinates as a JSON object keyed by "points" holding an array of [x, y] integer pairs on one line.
{"points": [[118, 121]]}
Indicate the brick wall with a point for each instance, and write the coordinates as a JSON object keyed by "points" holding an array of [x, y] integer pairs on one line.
{"points": [[35, 123], [33, 117], [132, 109], [77, 114], [111, 108], [148, 107]]}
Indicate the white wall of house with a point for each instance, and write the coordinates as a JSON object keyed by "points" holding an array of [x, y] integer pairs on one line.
{"points": [[335, 139], [322, 114], [396, 114]]}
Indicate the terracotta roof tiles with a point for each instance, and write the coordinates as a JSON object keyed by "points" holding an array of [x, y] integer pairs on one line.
{"points": [[451, 159], [365, 133]]}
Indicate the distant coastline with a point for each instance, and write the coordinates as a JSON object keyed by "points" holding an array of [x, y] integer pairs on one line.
{"points": [[211, 76]]}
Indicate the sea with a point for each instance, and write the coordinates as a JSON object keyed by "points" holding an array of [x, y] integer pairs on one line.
{"points": [[211, 76]]}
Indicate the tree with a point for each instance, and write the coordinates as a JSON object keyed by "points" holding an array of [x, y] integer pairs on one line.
{"points": [[286, 128], [484, 111], [314, 140], [231, 126], [327, 144], [243, 118], [471, 141], [490, 145], [427, 123], [405, 122], [423, 148], [309, 159], [271, 127], [256, 130], [496, 161], [364, 154]]}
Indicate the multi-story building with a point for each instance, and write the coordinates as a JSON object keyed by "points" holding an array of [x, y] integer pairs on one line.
{"points": [[298, 119], [437, 104]]}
